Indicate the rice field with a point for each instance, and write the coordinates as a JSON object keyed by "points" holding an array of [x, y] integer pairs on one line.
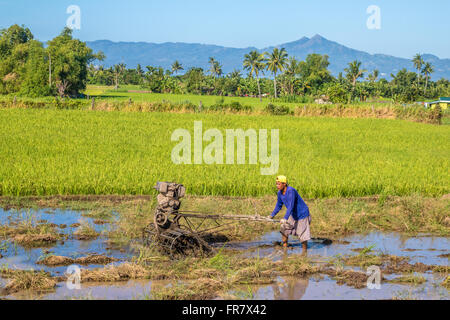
{"points": [[137, 94], [50, 152]]}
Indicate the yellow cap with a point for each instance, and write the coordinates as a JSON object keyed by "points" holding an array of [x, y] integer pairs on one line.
{"points": [[282, 179]]}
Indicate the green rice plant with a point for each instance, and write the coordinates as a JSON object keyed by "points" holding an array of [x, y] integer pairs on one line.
{"points": [[412, 279], [219, 261], [66, 152], [367, 250]]}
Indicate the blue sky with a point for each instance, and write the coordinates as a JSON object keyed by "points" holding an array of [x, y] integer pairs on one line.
{"points": [[407, 26]]}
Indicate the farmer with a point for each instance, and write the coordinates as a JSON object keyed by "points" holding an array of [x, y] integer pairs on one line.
{"points": [[297, 218]]}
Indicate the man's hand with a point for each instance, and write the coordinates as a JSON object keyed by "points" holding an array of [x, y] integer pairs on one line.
{"points": [[283, 222]]}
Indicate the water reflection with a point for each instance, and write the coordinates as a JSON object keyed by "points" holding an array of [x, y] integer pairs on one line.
{"points": [[290, 288]]}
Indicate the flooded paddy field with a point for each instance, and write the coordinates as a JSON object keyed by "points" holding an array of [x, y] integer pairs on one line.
{"points": [[38, 245]]}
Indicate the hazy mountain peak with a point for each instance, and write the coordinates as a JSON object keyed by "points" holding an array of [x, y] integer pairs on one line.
{"points": [[318, 37]]}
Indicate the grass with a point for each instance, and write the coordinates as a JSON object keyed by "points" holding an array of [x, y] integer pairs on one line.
{"points": [[86, 231], [409, 279], [227, 106], [114, 273], [330, 217], [209, 277], [446, 283], [107, 93], [79, 152], [29, 232], [137, 94], [26, 280], [53, 261]]}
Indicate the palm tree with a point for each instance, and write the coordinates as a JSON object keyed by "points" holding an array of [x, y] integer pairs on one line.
{"points": [[176, 66], [427, 70], [139, 70], [354, 72], [140, 73], [418, 63], [254, 63], [276, 61], [118, 70], [216, 68], [292, 69], [235, 74], [373, 76]]}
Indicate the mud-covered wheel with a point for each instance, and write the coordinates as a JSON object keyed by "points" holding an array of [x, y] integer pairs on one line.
{"points": [[189, 245], [150, 235]]}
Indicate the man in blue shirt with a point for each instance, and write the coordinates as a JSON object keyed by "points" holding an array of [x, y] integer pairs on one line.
{"points": [[297, 219]]}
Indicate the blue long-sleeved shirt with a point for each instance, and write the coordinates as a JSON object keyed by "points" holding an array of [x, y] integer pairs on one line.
{"points": [[295, 205]]}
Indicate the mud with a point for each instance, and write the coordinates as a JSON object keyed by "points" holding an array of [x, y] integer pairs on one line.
{"points": [[355, 279], [26, 280], [201, 289], [261, 270], [215, 238], [54, 261], [35, 240], [413, 280], [55, 201], [122, 272], [338, 241], [406, 267], [100, 222], [85, 237]]}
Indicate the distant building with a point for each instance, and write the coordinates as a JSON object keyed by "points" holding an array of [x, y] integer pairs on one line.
{"points": [[443, 103]]}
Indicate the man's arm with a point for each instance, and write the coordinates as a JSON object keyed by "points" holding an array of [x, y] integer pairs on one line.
{"points": [[290, 200], [278, 207]]}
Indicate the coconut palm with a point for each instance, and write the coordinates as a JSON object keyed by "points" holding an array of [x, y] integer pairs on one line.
{"points": [[216, 68], [118, 70], [139, 70], [354, 72], [276, 61], [235, 74], [373, 76], [418, 63], [292, 69], [254, 63], [427, 70], [176, 66]]}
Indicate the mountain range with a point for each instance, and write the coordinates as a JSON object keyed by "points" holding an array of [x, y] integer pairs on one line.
{"points": [[197, 55]]}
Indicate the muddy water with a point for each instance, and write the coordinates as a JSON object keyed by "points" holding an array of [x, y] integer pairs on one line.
{"points": [[19, 257], [423, 249], [323, 287], [126, 290]]}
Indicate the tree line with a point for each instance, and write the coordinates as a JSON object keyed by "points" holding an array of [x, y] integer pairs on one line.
{"points": [[290, 80], [64, 65]]}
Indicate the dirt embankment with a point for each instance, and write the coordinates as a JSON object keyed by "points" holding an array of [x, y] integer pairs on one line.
{"points": [[26, 280], [54, 261]]}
